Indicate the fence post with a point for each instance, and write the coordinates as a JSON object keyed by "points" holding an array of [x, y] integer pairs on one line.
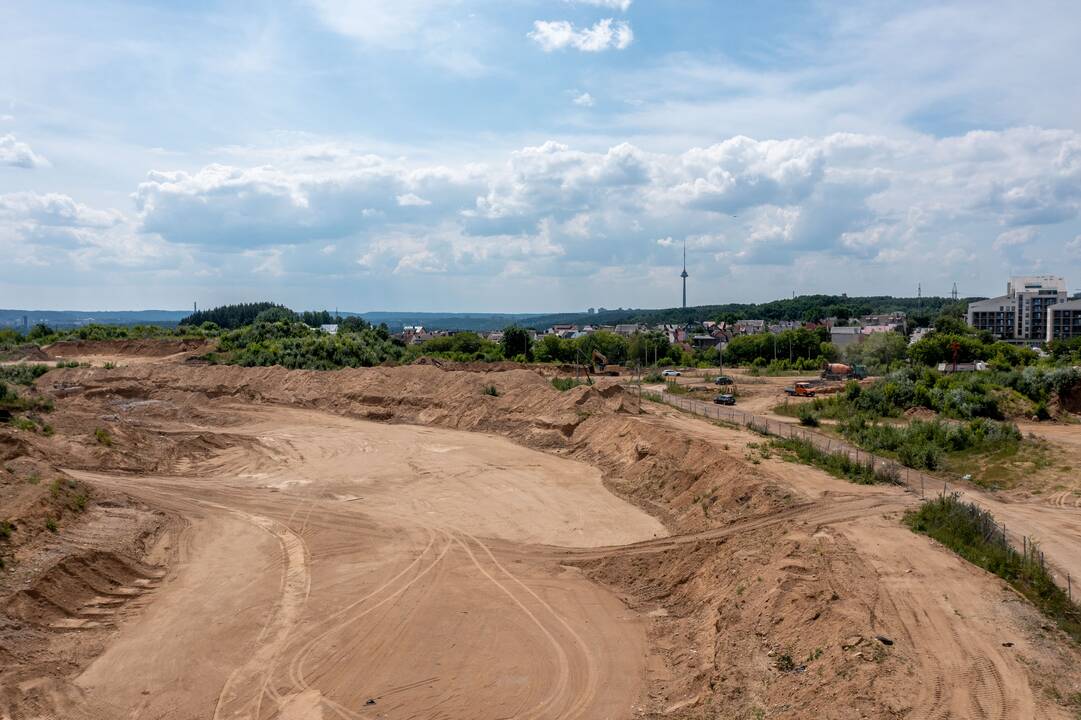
{"points": [[921, 485], [1069, 587]]}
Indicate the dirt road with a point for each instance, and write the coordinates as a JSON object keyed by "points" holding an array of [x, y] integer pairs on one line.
{"points": [[320, 547]]}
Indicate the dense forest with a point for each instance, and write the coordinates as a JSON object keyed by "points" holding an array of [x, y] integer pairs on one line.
{"points": [[804, 308]]}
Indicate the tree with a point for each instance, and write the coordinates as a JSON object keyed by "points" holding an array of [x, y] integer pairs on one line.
{"points": [[39, 331], [648, 347], [936, 348], [276, 314], [229, 316], [353, 324], [879, 350], [515, 342]]}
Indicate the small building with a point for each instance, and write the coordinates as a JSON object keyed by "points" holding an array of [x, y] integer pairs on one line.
{"points": [[330, 329], [626, 329], [844, 336]]}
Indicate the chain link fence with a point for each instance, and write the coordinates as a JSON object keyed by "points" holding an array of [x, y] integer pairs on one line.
{"points": [[914, 480]]}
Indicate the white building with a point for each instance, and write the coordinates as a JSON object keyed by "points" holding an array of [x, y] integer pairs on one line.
{"points": [[1022, 314]]}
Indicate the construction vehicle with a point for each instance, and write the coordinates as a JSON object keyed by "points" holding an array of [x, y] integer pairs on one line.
{"points": [[600, 362], [801, 389], [840, 371]]}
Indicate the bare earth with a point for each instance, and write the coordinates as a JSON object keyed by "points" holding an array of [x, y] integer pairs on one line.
{"points": [[322, 552], [396, 543]]}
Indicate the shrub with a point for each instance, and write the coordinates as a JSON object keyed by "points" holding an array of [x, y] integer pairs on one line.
{"points": [[6, 528], [839, 464], [491, 390], [22, 373], [973, 533], [921, 444], [103, 437], [807, 415], [50, 525], [564, 384]]}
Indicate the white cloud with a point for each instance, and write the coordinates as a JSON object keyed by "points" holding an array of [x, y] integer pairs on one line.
{"points": [[431, 30], [621, 5], [565, 212], [583, 99], [561, 34], [18, 154], [54, 210], [411, 200], [386, 24]]}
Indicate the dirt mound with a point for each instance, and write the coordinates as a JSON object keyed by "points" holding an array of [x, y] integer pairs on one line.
{"points": [[24, 353], [757, 622], [149, 347], [83, 590], [1070, 399], [683, 478]]}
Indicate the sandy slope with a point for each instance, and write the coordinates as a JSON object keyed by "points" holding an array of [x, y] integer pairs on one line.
{"points": [[324, 561], [341, 561]]}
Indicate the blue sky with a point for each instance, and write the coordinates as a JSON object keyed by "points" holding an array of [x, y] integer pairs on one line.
{"points": [[520, 156]]}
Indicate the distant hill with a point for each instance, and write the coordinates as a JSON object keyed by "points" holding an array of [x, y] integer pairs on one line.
{"points": [[802, 307], [74, 318]]}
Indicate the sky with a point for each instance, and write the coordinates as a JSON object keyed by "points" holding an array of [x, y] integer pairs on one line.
{"points": [[517, 156]]}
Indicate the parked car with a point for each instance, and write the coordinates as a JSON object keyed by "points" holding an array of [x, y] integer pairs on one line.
{"points": [[725, 399], [723, 380], [671, 373]]}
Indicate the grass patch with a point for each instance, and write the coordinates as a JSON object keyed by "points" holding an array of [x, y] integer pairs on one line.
{"points": [[838, 464], [674, 388], [972, 533], [23, 373], [103, 437], [807, 416], [923, 444], [565, 384]]}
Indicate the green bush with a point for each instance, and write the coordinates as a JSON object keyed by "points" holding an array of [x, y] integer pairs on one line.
{"points": [[972, 533], [491, 390], [294, 345], [807, 415], [22, 373], [922, 444], [103, 437], [839, 464], [564, 384]]}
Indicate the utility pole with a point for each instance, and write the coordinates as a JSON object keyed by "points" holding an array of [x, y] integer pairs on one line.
{"points": [[684, 273]]}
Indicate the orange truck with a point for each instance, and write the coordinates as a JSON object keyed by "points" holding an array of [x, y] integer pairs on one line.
{"points": [[801, 389]]}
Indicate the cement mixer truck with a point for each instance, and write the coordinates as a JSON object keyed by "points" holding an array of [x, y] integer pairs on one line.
{"points": [[840, 371]]}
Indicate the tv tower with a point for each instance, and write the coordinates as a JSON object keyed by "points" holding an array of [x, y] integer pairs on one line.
{"points": [[954, 293], [684, 273]]}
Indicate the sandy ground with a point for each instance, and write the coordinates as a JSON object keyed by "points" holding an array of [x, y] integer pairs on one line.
{"points": [[319, 565], [341, 562]]}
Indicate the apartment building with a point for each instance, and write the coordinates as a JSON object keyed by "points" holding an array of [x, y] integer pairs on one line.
{"points": [[1023, 313], [1064, 320]]}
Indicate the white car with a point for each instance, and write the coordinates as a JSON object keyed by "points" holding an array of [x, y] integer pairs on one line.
{"points": [[671, 373]]}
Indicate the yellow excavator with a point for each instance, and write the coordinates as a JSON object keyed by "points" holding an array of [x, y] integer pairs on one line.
{"points": [[600, 362]]}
